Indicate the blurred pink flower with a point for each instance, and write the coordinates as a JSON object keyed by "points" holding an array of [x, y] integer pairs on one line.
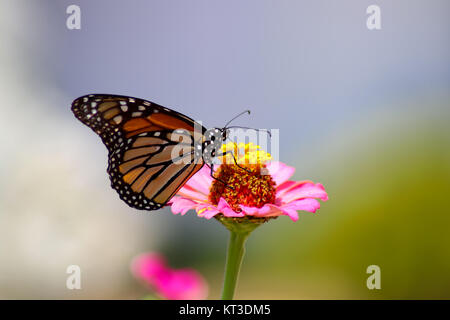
{"points": [[171, 284], [288, 197]]}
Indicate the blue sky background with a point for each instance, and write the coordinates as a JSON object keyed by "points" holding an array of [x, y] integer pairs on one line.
{"points": [[305, 67]]}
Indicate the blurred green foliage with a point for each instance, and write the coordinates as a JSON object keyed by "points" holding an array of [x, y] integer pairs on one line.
{"points": [[389, 206]]}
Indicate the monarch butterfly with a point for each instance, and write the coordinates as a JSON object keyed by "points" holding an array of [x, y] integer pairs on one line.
{"points": [[142, 138]]}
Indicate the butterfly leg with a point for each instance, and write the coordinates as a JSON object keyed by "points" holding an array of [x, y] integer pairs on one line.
{"points": [[215, 178], [235, 161]]}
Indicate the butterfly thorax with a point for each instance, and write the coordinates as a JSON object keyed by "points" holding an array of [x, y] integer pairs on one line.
{"points": [[212, 144]]}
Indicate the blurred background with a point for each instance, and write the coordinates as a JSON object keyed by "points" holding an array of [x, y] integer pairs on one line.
{"points": [[366, 113]]}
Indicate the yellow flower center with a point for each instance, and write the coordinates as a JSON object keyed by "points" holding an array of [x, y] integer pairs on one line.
{"points": [[247, 182]]}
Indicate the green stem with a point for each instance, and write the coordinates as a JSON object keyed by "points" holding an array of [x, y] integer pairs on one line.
{"points": [[240, 229], [235, 253]]}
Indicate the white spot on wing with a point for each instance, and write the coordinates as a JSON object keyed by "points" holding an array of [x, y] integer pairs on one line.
{"points": [[117, 119]]}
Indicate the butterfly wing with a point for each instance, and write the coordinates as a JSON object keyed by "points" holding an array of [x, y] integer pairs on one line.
{"points": [[151, 148]]}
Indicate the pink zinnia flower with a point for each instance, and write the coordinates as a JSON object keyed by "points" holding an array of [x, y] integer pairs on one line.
{"points": [[171, 284], [248, 192]]}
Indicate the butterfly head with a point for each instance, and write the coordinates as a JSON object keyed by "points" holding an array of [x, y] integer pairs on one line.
{"points": [[216, 135], [214, 138], [219, 135]]}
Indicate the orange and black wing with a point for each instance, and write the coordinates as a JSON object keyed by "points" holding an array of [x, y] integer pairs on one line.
{"points": [[151, 148]]}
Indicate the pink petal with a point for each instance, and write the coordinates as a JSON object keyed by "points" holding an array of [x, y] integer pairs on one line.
{"points": [[201, 181], [287, 185], [147, 266], [270, 210], [280, 172], [292, 213], [310, 205], [186, 284], [250, 211], [302, 190], [207, 211], [225, 208], [264, 211], [188, 192], [181, 205]]}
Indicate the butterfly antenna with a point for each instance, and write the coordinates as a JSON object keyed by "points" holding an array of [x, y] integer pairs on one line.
{"points": [[240, 114]]}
